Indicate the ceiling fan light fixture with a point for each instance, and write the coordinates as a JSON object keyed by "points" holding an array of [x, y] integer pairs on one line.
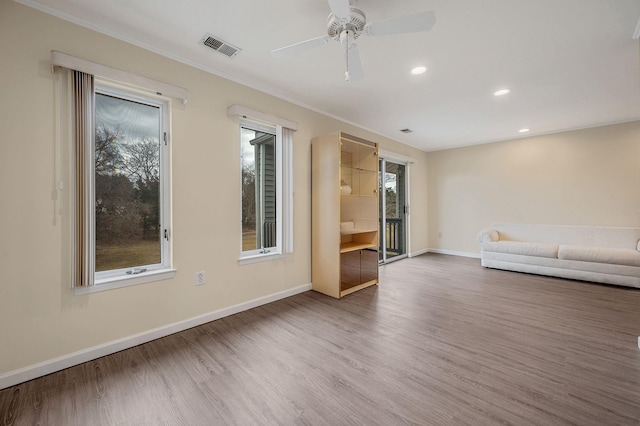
{"points": [[418, 70], [501, 92], [355, 23]]}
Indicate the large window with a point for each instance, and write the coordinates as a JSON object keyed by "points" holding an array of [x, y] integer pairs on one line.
{"points": [[266, 156], [130, 178], [122, 185], [261, 194], [120, 191]]}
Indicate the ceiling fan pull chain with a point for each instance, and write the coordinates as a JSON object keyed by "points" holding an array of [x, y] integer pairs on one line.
{"points": [[346, 54]]}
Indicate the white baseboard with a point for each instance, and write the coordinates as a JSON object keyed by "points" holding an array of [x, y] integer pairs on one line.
{"points": [[418, 253], [30, 372], [452, 253]]}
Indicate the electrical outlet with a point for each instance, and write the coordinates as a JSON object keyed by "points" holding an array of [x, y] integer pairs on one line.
{"points": [[201, 278]]}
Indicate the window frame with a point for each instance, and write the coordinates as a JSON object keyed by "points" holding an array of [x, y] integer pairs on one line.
{"points": [[258, 255], [116, 278]]}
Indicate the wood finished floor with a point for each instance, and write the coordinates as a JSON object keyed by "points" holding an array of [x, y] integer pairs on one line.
{"points": [[440, 341]]}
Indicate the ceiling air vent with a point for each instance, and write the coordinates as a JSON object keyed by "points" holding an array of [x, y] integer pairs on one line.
{"points": [[406, 130], [218, 45]]}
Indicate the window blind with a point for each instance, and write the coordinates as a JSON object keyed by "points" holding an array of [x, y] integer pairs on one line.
{"points": [[83, 105]]}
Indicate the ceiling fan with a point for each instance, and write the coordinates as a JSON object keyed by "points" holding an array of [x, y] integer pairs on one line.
{"points": [[346, 23]]}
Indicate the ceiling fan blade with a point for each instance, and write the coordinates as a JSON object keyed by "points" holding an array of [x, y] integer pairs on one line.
{"points": [[354, 66], [340, 8], [299, 47], [404, 24]]}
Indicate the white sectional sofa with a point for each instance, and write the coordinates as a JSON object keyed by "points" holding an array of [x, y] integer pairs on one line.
{"points": [[600, 254]]}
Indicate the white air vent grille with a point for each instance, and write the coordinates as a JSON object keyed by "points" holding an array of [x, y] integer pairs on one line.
{"points": [[220, 46]]}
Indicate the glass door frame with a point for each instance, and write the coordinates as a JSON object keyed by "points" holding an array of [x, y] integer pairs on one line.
{"points": [[383, 216]]}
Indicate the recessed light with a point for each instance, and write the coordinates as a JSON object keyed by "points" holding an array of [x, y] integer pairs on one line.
{"points": [[523, 130], [501, 92], [418, 70]]}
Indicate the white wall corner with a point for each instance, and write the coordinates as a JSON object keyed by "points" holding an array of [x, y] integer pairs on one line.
{"points": [[418, 252]]}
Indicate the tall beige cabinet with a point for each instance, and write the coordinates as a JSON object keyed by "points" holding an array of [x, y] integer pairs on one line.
{"points": [[344, 236]]}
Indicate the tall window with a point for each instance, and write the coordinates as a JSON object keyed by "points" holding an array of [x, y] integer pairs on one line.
{"points": [[261, 189], [130, 178], [122, 190]]}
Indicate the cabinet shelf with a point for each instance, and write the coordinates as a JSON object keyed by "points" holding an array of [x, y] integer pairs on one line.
{"points": [[375, 194], [354, 246], [352, 231], [357, 181]]}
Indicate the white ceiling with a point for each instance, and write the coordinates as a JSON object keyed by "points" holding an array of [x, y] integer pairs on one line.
{"points": [[569, 63]]}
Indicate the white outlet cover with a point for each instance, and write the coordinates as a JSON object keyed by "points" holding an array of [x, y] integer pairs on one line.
{"points": [[201, 278]]}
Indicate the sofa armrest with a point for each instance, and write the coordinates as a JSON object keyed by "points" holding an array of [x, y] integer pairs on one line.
{"points": [[489, 235]]}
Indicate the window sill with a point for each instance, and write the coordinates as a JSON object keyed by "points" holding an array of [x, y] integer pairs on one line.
{"points": [[257, 258], [119, 282]]}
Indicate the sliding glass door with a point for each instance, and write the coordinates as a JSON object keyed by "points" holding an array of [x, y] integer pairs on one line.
{"points": [[393, 210]]}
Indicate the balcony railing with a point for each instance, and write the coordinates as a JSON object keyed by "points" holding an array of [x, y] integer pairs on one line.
{"points": [[394, 230], [269, 234]]}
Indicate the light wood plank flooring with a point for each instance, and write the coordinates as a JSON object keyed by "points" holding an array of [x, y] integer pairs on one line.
{"points": [[440, 341]]}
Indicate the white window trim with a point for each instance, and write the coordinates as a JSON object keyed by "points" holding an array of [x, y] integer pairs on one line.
{"points": [[253, 256], [243, 112], [260, 257], [253, 118], [408, 162], [60, 59], [117, 278], [395, 157], [120, 282]]}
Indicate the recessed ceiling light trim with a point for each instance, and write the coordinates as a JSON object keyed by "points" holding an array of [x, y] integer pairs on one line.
{"points": [[501, 92], [525, 130], [418, 70]]}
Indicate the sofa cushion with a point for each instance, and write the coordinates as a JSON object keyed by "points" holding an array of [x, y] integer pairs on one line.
{"points": [[518, 247], [600, 254], [489, 235]]}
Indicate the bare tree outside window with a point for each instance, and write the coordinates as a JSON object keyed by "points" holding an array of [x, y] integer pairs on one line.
{"points": [[127, 183]]}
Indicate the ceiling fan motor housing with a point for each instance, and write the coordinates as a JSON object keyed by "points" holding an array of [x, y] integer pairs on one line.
{"points": [[354, 23]]}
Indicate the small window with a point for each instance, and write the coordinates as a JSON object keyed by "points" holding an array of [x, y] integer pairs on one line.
{"points": [[261, 190], [130, 180]]}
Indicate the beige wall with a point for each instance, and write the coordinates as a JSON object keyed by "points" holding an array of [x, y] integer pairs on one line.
{"points": [[40, 317], [582, 177]]}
